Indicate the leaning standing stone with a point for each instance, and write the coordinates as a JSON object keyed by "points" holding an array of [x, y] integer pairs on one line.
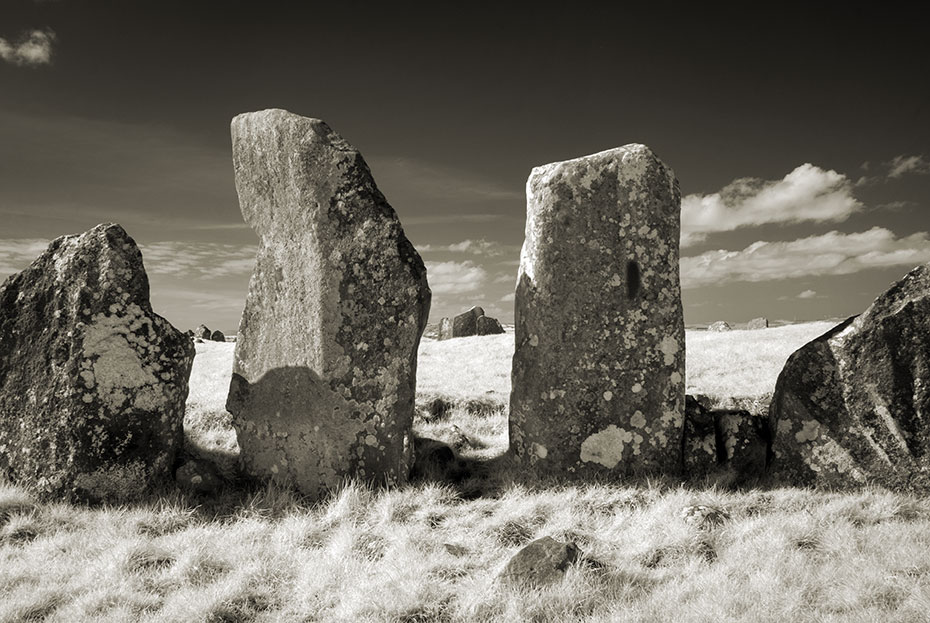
{"points": [[92, 381], [598, 368], [853, 406], [325, 366]]}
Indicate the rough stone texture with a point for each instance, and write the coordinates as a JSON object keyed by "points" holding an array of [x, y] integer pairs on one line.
{"points": [[544, 561], [598, 368], [445, 329], [466, 323], [758, 323], [92, 382], [717, 440], [488, 326], [217, 336], [203, 332], [853, 405], [324, 372], [720, 325]]}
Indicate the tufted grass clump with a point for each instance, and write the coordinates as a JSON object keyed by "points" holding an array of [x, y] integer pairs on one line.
{"points": [[431, 551]]}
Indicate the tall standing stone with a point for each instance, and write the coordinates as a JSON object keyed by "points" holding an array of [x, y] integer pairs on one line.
{"points": [[92, 381], [599, 361], [853, 406], [325, 364]]}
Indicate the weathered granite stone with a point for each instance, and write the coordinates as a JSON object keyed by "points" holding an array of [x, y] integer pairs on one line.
{"points": [[217, 336], [720, 325], [485, 325], [758, 323], [203, 332], [466, 323], [724, 440], [542, 562], [325, 364], [199, 476], [699, 441], [445, 329], [92, 382], [598, 368], [853, 406]]}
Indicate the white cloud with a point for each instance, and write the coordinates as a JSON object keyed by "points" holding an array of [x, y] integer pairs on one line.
{"points": [[18, 253], [807, 294], [902, 165], [833, 253], [473, 247], [198, 259], [455, 277], [508, 297], [35, 48], [807, 194]]}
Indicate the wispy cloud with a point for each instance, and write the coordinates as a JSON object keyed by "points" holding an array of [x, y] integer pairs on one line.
{"points": [[807, 194], [189, 260], [31, 49], [455, 277], [807, 294], [450, 219], [441, 182], [472, 247], [900, 166], [508, 297], [833, 253]]}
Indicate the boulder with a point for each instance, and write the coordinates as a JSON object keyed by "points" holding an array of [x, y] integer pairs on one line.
{"points": [[758, 323], [598, 368], [445, 329], [324, 373], [466, 323], [217, 336], [92, 381], [853, 406], [485, 325], [724, 440], [718, 326], [542, 562], [203, 332]]}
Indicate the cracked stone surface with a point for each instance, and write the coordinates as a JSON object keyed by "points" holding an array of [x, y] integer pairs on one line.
{"points": [[92, 381], [324, 372], [853, 406], [598, 368]]}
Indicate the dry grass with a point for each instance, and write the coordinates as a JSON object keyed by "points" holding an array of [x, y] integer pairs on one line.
{"points": [[425, 553]]}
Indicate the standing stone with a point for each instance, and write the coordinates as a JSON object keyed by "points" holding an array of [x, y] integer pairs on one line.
{"points": [[203, 332], [598, 367], [445, 329], [217, 336], [92, 381], [466, 323], [758, 323], [719, 326], [485, 325], [325, 364], [853, 406]]}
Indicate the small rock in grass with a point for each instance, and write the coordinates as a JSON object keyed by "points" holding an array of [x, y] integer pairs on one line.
{"points": [[544, 561], [198, 476], [705, 517]]}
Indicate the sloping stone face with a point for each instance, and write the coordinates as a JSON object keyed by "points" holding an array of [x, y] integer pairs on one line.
{"points": [[92, 382], [445, 329], [485, 325], [757, 323], [598, 368], [853, 405], [466, 323], [325, 364]]}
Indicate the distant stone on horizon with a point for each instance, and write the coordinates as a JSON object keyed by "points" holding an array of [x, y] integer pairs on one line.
{"points": [[853, 406], [758, 323], [217, 336], [203, 332], [719, 326], [324, 373], [92, 381], [598, 368], [469, 323]]}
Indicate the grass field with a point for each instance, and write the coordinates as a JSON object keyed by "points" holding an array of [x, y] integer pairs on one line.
{"points": [[426, 553]]}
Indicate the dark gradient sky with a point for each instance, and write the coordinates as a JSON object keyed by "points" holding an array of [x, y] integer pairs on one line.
{"points": [[452, 107]]}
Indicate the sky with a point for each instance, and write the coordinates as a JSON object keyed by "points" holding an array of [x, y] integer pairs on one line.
{"points": [[800, 135]]}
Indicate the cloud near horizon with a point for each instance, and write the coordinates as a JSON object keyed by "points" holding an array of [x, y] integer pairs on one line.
{"points": [[455, 277], [833, 253], [806, 194], [32, 49], [902, 165]]}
